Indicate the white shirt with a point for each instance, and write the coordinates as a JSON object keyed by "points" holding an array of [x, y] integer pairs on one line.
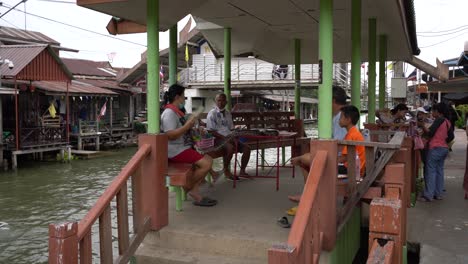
{"points": [[338, 132], [220, 122]]}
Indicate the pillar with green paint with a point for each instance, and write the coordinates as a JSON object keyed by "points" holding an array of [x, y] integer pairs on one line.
{"points": [[326, 57], [356, 53], [173, 55], [152, 94], [227, 67], [372, 50], [297, 78], [382, 68]]}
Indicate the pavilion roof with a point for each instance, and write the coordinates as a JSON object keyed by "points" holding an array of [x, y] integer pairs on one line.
{"points": [[267, 28]]}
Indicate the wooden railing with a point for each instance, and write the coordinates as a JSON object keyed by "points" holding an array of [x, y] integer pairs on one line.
{"points": [[313, 227], [357, 189], [69, 240]]}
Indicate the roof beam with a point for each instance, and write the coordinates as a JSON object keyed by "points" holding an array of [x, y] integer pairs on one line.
{"points": [[121, 26]]}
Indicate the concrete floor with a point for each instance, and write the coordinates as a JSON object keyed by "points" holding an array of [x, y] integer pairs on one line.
{"points": [[249, 211], [441, 227]]}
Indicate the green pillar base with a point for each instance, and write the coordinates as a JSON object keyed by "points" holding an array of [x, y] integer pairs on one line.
{"points": [[348, 240], [179, 198]]}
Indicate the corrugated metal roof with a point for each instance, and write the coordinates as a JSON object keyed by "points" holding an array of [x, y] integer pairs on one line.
{"points": [[60, 88], [110, 84], [9, 35], [89, 68], [33, 62]]}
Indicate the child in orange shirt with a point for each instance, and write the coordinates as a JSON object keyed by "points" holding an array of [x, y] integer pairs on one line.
{"points": [[349, 118]]}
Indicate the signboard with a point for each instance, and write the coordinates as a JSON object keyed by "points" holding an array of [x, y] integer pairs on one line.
{"points": [[399, 87]]}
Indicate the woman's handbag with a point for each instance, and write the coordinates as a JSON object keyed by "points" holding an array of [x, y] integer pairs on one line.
{"points": [[418, 142]]}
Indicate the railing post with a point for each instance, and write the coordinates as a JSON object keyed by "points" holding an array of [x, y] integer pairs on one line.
{"points": [[238, 69], [328, 186], [151, 191], [63, 243]]}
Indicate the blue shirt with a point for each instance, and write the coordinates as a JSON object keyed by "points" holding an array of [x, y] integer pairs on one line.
{"points": [[338, 132]]}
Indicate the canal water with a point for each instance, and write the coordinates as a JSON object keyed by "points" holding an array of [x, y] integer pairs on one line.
{"points": [[40, 193]]}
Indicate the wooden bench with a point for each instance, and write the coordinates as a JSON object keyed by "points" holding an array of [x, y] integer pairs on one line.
{"points": [[178, 174]]}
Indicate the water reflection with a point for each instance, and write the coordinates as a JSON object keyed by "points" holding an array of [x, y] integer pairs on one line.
{"points": [[42, 193]]}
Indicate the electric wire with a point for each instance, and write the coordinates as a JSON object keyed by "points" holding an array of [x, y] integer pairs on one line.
{"points": [[434, 44], [442, 31], [76, 27], [439, 35]]}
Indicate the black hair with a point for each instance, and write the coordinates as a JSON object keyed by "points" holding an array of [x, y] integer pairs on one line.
{"points": [[339, 95], [174, 90], [441, 108], [399, 107], [350, 111]]}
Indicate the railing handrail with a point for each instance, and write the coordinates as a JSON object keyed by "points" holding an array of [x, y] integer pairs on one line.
{"points": [[308, 199], [86, 223]]}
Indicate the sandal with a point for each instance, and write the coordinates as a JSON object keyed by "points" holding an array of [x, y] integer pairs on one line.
{"points": [[283, 222], [424, 199], [292, 211], [206, 202]]}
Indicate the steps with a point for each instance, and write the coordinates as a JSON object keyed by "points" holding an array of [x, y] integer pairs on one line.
{"points": [[170, 246]]}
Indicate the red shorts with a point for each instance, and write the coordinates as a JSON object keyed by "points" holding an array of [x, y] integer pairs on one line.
{"points": [[187, 156]]}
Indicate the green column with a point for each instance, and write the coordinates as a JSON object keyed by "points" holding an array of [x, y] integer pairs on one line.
{"points": [[227, 66], [173, 55], [372, 50], [382, 60], [326, 56], [297, 77], [356, 53], [152, 94]]}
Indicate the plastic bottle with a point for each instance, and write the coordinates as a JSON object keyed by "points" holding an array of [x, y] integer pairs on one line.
{"points": [[358, 167]]}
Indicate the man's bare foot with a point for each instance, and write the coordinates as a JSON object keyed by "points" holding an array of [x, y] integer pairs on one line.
{"points": [[244, 174], [295, 198], [296, 161], [228, 174]]}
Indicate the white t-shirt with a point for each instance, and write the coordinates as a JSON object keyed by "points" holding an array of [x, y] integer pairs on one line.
{"points": [[219, 121]]}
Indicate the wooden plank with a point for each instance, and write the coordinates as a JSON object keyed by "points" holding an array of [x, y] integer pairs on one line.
{"points": [[134, 243], [105, 235], [86, 254], [370, 159], [369, 144], [122, 219]]}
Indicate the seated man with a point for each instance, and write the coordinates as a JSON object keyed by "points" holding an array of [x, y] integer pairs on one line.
{"points": [[219, 122]]}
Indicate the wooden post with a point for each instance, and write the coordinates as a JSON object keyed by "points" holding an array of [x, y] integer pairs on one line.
{"points": [[110, 118], [388, 215], [63, 243], [328, 185], [150, 185]]}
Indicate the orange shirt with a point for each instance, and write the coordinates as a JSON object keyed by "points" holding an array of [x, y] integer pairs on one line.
{"points": [[354, 135]]}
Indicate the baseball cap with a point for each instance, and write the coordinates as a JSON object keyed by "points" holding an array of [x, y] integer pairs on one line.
{"points": [[421, 109]]}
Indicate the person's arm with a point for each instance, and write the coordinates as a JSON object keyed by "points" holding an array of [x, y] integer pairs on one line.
{"points": [[432, 130], [170, 126]]}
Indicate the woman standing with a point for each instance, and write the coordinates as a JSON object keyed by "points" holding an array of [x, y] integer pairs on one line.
{"points": [[437, 152], [177, 127]]}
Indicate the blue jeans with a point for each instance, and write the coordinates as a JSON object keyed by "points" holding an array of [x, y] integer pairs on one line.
{"points": [[434, 172]]}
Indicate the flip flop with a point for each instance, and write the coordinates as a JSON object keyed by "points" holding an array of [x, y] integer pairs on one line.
{"points": [[206, 202], [283, 222], [292, 211]]}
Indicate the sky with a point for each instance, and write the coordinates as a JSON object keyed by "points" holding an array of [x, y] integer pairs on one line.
{"points": [[431, 16]]}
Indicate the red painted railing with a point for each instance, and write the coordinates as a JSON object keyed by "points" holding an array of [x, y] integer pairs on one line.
{"points": [[146, 168], [314, 226]]}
